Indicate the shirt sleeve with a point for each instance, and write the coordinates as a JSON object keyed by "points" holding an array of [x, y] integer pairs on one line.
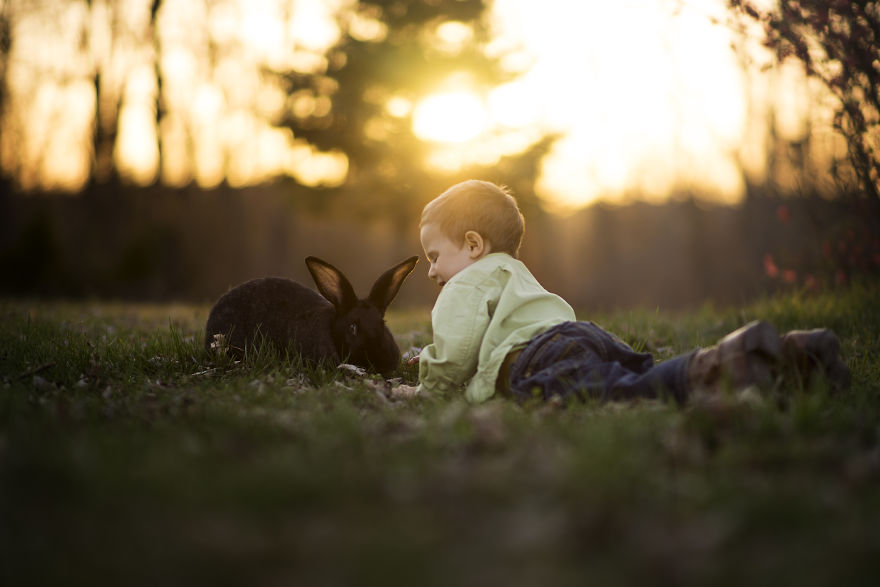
{"points": [[459, 321]]}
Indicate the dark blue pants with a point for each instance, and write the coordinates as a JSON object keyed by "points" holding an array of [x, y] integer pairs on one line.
{"points": [[581, 360]]}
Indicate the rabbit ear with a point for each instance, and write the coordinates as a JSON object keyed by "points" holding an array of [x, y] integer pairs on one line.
{"points": [[331, 283], [389, 283]]}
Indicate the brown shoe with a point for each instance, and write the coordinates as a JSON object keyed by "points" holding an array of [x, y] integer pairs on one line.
{"points": [[813, 355], [745, 357]]}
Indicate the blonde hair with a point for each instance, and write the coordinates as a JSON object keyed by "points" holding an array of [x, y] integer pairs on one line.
{"points": [[480, 206]]}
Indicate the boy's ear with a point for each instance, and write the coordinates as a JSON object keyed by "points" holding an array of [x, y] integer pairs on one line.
{"points": [[476, 245]]}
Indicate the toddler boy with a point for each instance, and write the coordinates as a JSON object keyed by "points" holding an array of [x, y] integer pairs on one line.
{"points": [[498, 331]]}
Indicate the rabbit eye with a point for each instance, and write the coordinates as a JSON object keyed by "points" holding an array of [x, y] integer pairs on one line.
{"points": [[353, 328]]}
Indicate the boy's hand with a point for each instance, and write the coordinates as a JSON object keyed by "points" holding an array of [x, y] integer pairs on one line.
{"points": [[404, 391], [411, 357]]}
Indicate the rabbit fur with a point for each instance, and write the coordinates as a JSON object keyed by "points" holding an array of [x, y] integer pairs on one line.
{"points": [[332, 326]]}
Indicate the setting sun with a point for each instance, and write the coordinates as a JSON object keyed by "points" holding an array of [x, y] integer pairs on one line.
{"points": [[660, 110], [453, 117]]}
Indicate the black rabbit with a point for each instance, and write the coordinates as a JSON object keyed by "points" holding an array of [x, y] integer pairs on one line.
{"points": [[333, 328]]}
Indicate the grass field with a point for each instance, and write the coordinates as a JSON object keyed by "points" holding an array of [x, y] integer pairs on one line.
{"points": [[129, 457]]}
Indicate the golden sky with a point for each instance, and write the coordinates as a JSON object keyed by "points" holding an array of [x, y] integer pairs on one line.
{"points": [[648, 95]]}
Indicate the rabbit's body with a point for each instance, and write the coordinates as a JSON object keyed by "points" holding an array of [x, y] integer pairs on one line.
{"points": [[331, 327], [280, 311]]}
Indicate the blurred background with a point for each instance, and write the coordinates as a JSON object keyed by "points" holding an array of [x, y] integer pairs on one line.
{"points": [[666, 153]]}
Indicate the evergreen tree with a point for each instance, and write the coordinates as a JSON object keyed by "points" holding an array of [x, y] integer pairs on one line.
{"points": [[386, 160]]}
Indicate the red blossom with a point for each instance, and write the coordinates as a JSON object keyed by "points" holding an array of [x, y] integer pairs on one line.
{"points": [[770, 267], [783, 213]]}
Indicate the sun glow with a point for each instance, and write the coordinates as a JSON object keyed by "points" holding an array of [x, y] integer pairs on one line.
{"points": [[653, 110], [451, 117], [647, 97], [659, 110]]}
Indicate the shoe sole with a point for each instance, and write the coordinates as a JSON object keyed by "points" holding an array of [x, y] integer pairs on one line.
{"points": [[816, 352], [820, 345]]}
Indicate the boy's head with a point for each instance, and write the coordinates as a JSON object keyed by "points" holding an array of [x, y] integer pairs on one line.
{"points": [[480, 206], [470, 219]]}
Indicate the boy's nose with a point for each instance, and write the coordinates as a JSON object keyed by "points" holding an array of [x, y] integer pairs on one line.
{"points": [[432, 271]]}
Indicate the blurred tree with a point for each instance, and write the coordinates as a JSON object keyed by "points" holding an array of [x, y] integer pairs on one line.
{"points": [[5, 48], [357, 97], [108, 100], [388, 53], [838, 43], [100, 45], [155, 6]]}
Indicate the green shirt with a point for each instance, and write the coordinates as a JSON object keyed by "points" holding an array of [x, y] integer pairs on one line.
{"points": [[482, 313]]}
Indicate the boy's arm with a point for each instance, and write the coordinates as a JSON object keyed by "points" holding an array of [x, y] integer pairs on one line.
{"points": [[459, 322]]}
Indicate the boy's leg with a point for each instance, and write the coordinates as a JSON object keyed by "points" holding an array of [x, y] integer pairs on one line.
{"points": [[581, 360]]}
